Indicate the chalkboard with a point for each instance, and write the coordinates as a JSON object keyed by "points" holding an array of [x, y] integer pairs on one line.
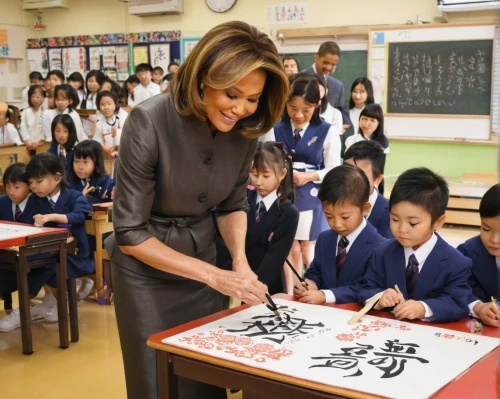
{"points": [[452, 77], [352, 65]]}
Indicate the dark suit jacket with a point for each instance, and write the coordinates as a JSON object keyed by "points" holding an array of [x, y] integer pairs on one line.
{"points": [[69, 155], [268, 243], [75, 206], [442, 283], [103, 185], [380, 217], [484, 279], [323, 269], [7, 214]]}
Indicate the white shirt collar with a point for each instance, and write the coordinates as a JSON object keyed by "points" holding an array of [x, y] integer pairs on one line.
{"points": [[303, 131], [372, 199], [22, 205], [55, 197], [268, 199], [422, 253], [351, 237], [497, 258]]}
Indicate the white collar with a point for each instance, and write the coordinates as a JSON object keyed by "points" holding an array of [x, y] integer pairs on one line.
{"points": [[22, 205], [268, 199], [372, 199], [497, 258], [351, 237], [423, 252], [55, 197], [303, 131]]}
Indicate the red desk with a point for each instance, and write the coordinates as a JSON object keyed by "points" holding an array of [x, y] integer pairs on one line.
{"points": [[52, 241], [173, 362]]}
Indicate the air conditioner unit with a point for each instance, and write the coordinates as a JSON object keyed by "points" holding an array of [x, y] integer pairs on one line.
{"points": [[44, 4], [467, 5], [144, 8]]}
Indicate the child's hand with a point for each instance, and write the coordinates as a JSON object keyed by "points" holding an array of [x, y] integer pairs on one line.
{"points": [[488, 312], [299, 178], [389, 299], [114, 154], [315, 297], [410, 310], [87, 189], [40, 220]]}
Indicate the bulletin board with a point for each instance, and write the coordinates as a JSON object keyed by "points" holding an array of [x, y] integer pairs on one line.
{"points": [[12, 63], [435, 81], [114, 54]]}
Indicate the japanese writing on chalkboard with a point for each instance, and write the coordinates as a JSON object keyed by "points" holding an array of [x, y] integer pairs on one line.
{"points": [[436, 78]]}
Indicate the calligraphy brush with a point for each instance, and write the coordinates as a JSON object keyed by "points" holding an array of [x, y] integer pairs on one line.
{"points": [[301, 279], [272, 307]]}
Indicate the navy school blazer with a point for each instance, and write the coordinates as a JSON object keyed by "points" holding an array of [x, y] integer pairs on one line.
{"points": [[69, 154], [441, 284], [7, 214], [380, 217], [75, 206], [267, 243], [102, 184], [485, 277], [323, 268]]}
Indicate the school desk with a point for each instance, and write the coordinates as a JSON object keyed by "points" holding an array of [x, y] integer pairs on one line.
{"points": [[10, 155], [100, 223], [173, 362], [15, 252]]}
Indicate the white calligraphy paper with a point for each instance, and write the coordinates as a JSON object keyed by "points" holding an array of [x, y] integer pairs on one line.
{"points": [[160, 56], [315, 343], [289, 13], [74, 60]]}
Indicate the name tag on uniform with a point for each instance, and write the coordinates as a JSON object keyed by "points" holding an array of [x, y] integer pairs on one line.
{"points": [[312, 141]]}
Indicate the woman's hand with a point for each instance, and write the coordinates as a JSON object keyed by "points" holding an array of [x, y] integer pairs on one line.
{"points": [[299, 178], [240, 285]]}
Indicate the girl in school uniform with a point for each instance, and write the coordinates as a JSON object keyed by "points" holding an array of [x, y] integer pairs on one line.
{"points": [[75, 80], [109, 126], [93, 83], [56, 204], [9, 136], [64, 140], [66, 100], [361, 96], [327, 112], [315, 148], [272, 219], [130, 84], [32, 119]]}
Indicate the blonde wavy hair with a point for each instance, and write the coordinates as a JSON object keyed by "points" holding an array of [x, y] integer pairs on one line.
{"points": [[224, 56]]}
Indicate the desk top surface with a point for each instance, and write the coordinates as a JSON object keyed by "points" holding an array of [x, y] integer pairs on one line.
{"points": [[16, 234], [478, 381]]}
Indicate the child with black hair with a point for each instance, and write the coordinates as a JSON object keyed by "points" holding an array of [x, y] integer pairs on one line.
{"points": [[336, 276], [66, 99], [9, 136], [32, 119], [173, 67], [327, 112], [272, 219], [93, 83], [165, 83], [431, 274], [157, 75], [64, 140], [88, 174], [130, 84], [484, 251], [56, 78], [36, 78], [146, 89], [75, 80], [110, 123], [361, 96], [371, 127], [370, 158]]}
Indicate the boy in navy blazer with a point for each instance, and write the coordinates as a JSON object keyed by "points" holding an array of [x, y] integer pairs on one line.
{"points": [[484, 251], [370, 158], [342, 253], [431, 274]]}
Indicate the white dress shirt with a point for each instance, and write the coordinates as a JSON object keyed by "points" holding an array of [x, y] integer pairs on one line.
{"points": [[9, 133], [22, 206], [333, 116], [351, 237], [354, 114], [32, 124], [421, 254], [50, 114], [103, 129], [331, 149], [24, 98], [142, 93], [359, 137], [55, 197], [268, 199], [372, 199]]}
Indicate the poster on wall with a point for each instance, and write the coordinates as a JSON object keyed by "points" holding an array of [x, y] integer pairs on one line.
{"points": [[74, 60], [141, 55], [37, 61], [288, 13], [187, 45], [55, 61], [108, 57], [95, 58], [160, 55], [122, 62]]}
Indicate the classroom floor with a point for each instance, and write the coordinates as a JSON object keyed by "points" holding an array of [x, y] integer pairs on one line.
{"points": [[91, 368]]}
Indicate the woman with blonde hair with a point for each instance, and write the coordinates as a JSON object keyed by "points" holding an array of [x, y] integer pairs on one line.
{"points": [[181, 154]]}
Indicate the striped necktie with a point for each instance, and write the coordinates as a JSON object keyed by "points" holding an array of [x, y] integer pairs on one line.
{"points": [[411, 275], [296, 135], [18, 213], [52, 204], [260, 212], [341, 253]]}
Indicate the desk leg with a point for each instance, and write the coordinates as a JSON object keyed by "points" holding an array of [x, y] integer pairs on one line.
{"points": [[167, 380], [24, 301], [62, 307], [98, 263], [73, 312]]}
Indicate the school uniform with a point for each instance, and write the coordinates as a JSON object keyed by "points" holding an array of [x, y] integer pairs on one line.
{"points": [[8, 133], [142, 93], [485, 274], [379, 215], [81, 98], [8, 210], [130, 100], [441, 285], [270, 234], [75, 206], [359, 137], [103, 187], [50, 114], [104, 128], [32, 124], [56, 150], [318, 150], [89, 103], [354, 114], [24, 98], [333, 116], [341, 283]]}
